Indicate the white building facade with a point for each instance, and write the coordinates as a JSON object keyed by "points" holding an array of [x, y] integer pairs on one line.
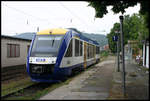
{"points": [[146, 53], [14, 51]]}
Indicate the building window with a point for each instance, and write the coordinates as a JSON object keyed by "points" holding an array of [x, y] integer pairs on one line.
{"points": [[13, 50], [81, 47], [76, 47], [69, 50]]}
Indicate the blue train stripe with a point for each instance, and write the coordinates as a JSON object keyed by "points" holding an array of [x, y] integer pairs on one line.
{"points": [[62, 49], [29, 54]]}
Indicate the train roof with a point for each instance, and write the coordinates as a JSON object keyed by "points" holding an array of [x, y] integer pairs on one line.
{"points": [[53, 31], [62, 31]]}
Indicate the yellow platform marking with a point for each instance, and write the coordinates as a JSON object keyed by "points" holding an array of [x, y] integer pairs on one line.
{"points": [[55, 31]]}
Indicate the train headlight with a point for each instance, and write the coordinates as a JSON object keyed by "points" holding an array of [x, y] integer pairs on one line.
{"points": [[30, 59]]}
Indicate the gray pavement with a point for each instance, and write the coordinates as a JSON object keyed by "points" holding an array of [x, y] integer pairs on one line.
{"points": [[103, 82], [93, 84], [137, 80]]}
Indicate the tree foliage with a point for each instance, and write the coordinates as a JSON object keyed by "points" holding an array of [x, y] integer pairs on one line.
{"points": [[112, 44], [119, 6], [134, 28]]}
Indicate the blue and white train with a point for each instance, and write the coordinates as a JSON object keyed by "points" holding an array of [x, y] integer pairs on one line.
{"points": [[55, 53]]}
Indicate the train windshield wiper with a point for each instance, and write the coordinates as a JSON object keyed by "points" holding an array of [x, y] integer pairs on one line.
{"points": [[53, 41]]}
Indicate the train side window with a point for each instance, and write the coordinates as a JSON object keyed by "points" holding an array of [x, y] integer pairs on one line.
{"points": [[88, 51], [81, 45], [69, 50], [97, 50], [76, 47], [92, 51]]}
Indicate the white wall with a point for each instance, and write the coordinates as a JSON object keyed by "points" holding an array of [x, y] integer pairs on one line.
{"points": [[147, 56], [5, 61], [143, 54]]}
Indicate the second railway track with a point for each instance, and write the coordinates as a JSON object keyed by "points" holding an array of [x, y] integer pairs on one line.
{"points": [[27, 91]]}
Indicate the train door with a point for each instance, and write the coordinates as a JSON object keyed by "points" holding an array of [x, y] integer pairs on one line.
{"points": [[85, 54]]}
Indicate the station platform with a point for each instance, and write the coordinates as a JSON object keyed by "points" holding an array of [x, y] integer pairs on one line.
{"points": [[103, 82]]}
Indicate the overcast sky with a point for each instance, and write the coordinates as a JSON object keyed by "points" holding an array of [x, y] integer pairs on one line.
{"points": [[26, 16]]}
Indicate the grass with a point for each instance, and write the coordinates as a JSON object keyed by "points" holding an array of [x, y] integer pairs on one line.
{"points": [[144, 68], [40, 93], [15, 86], [103, 55]]}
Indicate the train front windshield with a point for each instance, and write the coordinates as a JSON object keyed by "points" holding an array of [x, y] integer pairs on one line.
{"points": [[46, 45]]}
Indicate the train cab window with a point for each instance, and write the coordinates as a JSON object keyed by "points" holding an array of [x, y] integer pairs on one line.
{"points": [[69, 50], [76, 47], [46, 45], [81, 45]]}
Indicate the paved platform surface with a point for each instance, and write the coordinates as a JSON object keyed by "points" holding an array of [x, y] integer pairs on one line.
{"points": [[103, 82], [137, 81], [92, 84]]}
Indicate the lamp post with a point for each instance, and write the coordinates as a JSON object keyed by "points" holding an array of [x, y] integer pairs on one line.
{"points": [[122, 51], [118, 61], [37, 29]]}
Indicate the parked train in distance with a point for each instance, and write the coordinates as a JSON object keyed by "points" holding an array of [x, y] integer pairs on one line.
{"points": [[55, 53]]}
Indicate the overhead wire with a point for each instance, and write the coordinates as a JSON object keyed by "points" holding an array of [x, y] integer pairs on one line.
{"points": [[74, 15], [29, 14]]}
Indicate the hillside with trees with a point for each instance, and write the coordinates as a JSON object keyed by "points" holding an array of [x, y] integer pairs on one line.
{"points": [[100, 38]]}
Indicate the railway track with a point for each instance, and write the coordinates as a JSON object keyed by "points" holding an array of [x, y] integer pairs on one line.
{"points": [[32, 89], [11, 74], [27, 91]]}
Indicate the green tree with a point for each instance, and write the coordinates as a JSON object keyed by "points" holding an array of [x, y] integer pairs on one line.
{"points": [[120, 6], [112, 44], [134, 29]]}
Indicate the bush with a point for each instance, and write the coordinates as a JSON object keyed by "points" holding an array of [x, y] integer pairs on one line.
{"points": [[104, 53]]}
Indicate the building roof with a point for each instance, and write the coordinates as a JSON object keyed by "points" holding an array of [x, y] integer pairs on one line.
{"points": [[13, 37]]}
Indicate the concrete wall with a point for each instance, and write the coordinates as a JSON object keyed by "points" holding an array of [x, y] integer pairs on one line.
{"points": [[146, 54], [12, 61]]}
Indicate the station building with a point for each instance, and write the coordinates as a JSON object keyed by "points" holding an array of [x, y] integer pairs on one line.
{"points": [[14, 51]]}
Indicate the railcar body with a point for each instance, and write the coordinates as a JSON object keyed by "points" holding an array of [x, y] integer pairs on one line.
{"points": [[55, 53]]}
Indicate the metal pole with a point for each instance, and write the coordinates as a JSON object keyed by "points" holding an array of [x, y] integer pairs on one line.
{"points": [[37, 29], [118, 54], [122, 50]]}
